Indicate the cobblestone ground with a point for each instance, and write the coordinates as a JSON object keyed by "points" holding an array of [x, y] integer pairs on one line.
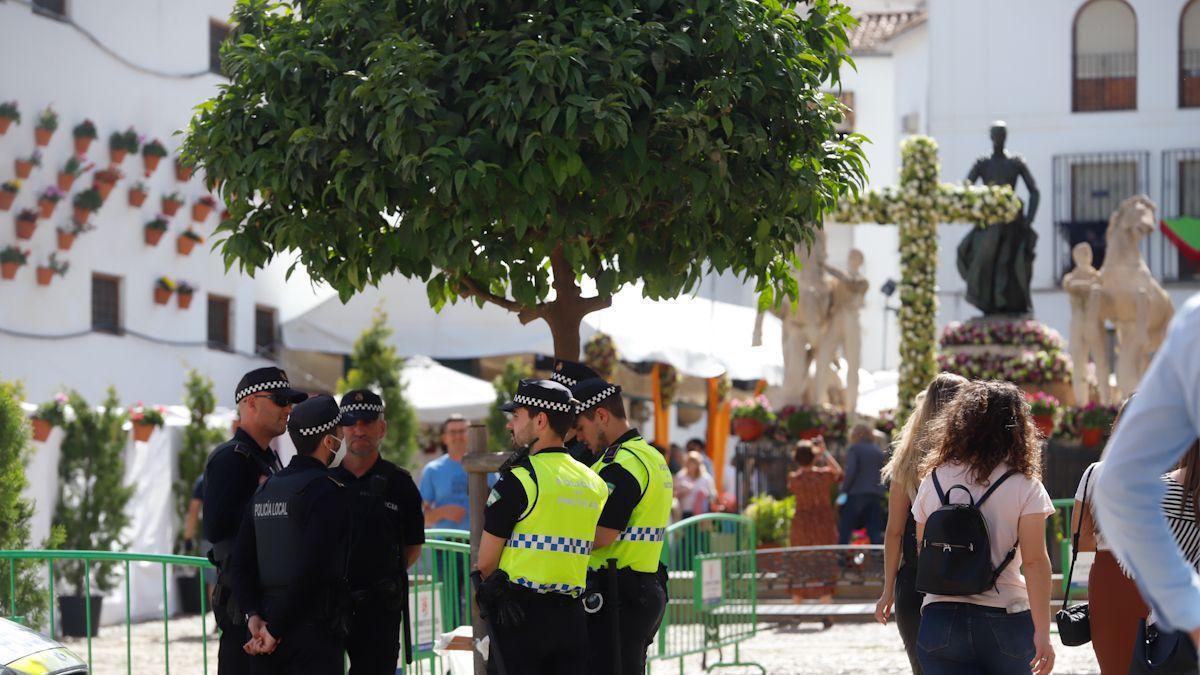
{"points": [[788, 650]]}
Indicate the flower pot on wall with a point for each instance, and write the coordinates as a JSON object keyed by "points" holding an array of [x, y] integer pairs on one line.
{"points": [[104, 187], [142, 432], [46, 206], [65, 240], [748, 429], [8, 270], [151, 162], [117, 156], [41, 429], [182, 173], [184, 245], [23, 168], [80, 215], [1091, 437], [808, 434], [65, 181], [25, 228], [6, 199], [4, 124], [152, 235], [161, 296], [1044, 424], [170, 207], [42, 136], [184, 300], [82, 144], [200, 212], [137, 197], [44, 276]]}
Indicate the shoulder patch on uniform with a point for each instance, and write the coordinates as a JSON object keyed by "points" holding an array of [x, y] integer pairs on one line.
{"points": [[610, 454], [493, 497]]}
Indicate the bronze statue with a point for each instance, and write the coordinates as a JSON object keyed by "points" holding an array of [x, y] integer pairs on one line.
{"points": [[997, 261]]}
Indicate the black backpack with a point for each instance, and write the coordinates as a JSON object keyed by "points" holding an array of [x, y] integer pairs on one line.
{"points": [[955, 553]]}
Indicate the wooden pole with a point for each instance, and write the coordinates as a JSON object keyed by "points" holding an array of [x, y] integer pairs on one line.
{"points": [[478, 463]]}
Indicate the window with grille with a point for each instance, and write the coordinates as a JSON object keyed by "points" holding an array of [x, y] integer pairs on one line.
{"points": [[1105, 57], [217, 34], [1180, 208], [219, 333], [106, 303], [1088, 187], [51, 8], [264, 332], [1189, 56]]}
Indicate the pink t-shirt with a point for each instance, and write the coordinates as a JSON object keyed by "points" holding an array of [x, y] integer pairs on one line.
{"points": [[1018, 496]]}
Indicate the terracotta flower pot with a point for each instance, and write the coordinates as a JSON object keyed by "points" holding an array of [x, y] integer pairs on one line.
{"points": [[104, 187], [116, 157], [82, 145], [65, 240], [184, 300], [151, 162], [4, 123], [46, 206], [42, 136], [1044, 424], [6, 199], [24, 167], [137, 197], [142, 432], [25, 228], [152, 235], [8, 270], [200, 212], [65, 181], [1091, 437], [44, 275], [182, 173], [41, 429], [80, 215], [749, 429], [808, 434], [170, 207], [161, 295], [184, 245]]}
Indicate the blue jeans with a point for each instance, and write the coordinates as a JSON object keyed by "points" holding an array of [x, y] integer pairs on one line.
{"points": [[957, 638], [861, 510]]}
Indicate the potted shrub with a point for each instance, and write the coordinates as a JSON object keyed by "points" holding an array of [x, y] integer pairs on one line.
{"points": [[24, 165], [8, 193], [197, 441], [163, 288], [138, 194], [67, 234], [91, 508], [12, 259], [48, 200], [85, 203], [171, 204], [202, 208], [183, 294], [187, 241], [120, 144], [1044, 408], [53, 266], [751, 417], [145, 421], [772, 520], [802, 421], [183, 172], [9, 113], [152, 154], [47, 124], [105, 180], [74, 168], [1095, 420], [84, 133], [153, 231], [26, 223], [52, 413]]}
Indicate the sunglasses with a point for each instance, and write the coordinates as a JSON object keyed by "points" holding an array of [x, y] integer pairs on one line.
{"points": [[281, 400]]}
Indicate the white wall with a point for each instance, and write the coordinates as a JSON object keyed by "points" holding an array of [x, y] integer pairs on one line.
{"points": [[45, 61]]}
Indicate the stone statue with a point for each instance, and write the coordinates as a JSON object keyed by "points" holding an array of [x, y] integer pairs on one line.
{"points": [[997, 261], [1087, 337], [848, 301], [1132, 299]]}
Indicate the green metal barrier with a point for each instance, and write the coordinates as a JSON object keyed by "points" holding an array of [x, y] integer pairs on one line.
{"points": [[712, 592], [1065, 508], [439, 597]]}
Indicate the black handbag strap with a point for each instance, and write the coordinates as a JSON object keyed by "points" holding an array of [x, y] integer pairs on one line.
{"points": [[1075, 537]]}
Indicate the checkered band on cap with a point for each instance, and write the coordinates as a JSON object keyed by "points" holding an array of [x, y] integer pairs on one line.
{"points": [[324, 428], [642, 534], [355, 407], [565, 589], [264, 386], [557, 406], [563, 379], [541, 542], [594, 400]]}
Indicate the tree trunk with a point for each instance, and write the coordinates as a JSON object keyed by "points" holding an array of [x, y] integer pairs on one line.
{"points": [[564, 322]]}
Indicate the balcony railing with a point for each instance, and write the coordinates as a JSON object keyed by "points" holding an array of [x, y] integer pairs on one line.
{"points": [[1105, 82]]}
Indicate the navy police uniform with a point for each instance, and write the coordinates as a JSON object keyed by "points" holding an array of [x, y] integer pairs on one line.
{"points": [[386, 510], [233, 472]]}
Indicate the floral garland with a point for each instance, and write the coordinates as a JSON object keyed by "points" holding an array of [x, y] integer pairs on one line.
{"points": [[1027, 333], [668, 381], [1040, 367], [916, 206], [600, 354], [757, 408]]}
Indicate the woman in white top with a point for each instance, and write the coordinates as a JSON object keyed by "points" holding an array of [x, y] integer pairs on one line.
{"points": [[694, 487], [983, 433], [900, 538]]}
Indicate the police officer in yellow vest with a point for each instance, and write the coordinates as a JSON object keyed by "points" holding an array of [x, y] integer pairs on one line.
{"points": [[538, 527], [630, 529]]}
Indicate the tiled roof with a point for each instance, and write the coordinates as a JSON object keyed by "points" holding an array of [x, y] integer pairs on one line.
{"points": [[876, 28]]}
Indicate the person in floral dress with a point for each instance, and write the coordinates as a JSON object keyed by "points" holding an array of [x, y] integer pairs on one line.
{"points": [[815, 521]]}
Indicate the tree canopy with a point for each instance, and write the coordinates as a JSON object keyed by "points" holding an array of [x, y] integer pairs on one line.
{"points": [[502, 150]]}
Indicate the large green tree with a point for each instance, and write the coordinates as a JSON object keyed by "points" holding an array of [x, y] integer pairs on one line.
{"points": [[374, 364], [199, 439], [502, 150]]}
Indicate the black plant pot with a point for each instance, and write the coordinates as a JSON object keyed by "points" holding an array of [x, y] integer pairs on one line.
{"points": [[188, 589], [71, 612]]}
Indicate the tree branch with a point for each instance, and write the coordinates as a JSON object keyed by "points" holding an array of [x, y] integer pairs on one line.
{"points": [[471, 288]]}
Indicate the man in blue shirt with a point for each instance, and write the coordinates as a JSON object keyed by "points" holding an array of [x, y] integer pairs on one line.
{"points": [[444, 480]]}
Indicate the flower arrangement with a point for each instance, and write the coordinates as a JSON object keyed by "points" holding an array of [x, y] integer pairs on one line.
{"points": [[1097, 416], [48, 120], [75, 167], [757, 408], [183, 171], [166, 284], [799, 420], [1042, 404], [48, 199], [202, 208], [183, 294], [11, 255], [153, 230], [171, 203], [833, 422], [13, 186], [85, 129], [26, 223], [195, 236], [25, 165], [886, 422], [159, 223], [154, 148], [668, 383], [137, 194], [145, 416], [1026, 333], [1038, 367], [163, 288], [88, 199], [600, 354], [53, 411], [8, 193], [52, 267], [124, 140], [9, 113]]}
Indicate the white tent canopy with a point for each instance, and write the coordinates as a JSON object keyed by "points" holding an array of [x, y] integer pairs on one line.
{"points": [[437, 391], [700, 337]]}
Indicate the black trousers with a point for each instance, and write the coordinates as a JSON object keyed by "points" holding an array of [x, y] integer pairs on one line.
{"points": [[374, 641], [307, 650], [552, 640], [231, 659], [908, 600], [640, 607]]}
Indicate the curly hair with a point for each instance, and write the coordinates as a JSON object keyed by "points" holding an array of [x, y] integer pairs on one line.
{"points": [[987, 424], [903, 469]]}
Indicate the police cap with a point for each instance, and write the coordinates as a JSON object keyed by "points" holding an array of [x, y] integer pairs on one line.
{"points": [[570, 373], [592, 392], [317, 415], [361, 405], [541, 395], [269, 380]]}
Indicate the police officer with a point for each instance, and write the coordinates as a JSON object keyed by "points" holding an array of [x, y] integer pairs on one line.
{"points": [[389, 529], [291, 555], [538, 528], [264, 399], [630, 530], [569, 374]]}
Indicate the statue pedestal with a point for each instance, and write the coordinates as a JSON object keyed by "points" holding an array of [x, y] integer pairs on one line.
{"points": [[1019, 350]]}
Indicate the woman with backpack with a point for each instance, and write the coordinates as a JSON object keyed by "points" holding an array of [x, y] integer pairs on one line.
{"points": [[900, 537], [980, 512]]}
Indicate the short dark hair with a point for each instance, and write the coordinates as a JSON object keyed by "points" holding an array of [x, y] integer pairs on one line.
{"points": [[453, 418], [560, 423], [613, 404], [804, 454], [698, 441]]}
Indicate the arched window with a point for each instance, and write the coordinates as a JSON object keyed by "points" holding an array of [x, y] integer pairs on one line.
{"points": [[1105, 57], [1189, 56]]}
